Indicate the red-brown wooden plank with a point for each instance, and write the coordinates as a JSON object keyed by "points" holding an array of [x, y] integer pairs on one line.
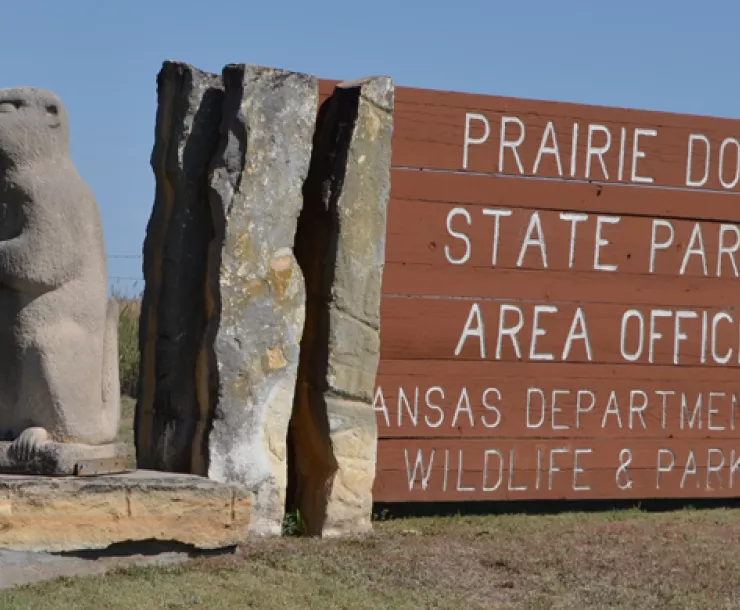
{"points": [[460, 236], [559, 286], [563, 195], [592, 473], [562, 370], [459, 404], [430, 130], [432, 328]]}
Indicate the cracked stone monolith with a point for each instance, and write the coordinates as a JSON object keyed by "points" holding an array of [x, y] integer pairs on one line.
{"points": [[173, 412], [341, 249], [254, 282]]}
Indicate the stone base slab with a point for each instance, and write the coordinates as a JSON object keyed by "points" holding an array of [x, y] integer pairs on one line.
{"points": [[65, 459], [72, 514]]}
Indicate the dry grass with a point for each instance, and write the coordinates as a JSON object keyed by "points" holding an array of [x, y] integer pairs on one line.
{"points": [[128, 343], [687, 559], [126, 429]]}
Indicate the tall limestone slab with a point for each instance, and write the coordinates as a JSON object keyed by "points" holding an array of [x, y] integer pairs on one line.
{"points": [[172, 412], [341, 248], [219, 403], [254, 281]]}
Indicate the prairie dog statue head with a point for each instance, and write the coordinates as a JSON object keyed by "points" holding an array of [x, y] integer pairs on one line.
{"points": [[33, 125]]}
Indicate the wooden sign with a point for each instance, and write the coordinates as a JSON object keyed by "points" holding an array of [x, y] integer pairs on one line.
{"points": [[559, 313]]}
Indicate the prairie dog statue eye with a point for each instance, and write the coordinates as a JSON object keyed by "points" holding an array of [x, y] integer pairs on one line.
{"points": [[7, 107]]}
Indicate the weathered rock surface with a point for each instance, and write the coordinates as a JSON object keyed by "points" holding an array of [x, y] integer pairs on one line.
{"points": [[222, 329], [341, 249], [68, 514], [173, 410], [254, 280], [224, 304]]}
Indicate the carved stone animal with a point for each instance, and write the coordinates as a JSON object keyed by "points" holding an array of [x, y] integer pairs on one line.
{"points": [[58, 330]]}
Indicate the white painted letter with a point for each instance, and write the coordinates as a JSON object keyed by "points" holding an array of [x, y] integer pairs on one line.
{"points": [[695, 414], [638, 154], [678, 334], [661, 467], [579, 320], [612, 220], [512, 144], [379, 398], [732, 183], [711, 411], [554, 408], [577, 469], [465, 257], [500, 457], [580, 409], [654, 245], [538, 332], [493, 408], [717, 469], [638, 409], [479, 331], [510, 331], [463, 404], [632, 313], [469, 117], [654, 314], [722, 315], [550, 150], [691, 250], [419, 465], [730, 251], [534, 225], [574, 219], [437, 408], [597, 151], [553, 468], [574, 151], [689, 158], [413, 412], [497, 214], [543, 408]]}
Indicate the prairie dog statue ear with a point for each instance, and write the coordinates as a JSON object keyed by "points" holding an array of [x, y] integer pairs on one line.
{"points": [[58, 332]]}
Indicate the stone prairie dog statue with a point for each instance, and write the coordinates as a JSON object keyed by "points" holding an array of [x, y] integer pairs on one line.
{"points": [[58, 330]]}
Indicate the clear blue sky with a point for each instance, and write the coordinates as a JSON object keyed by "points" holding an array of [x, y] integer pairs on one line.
{"points": [[102, 57]]}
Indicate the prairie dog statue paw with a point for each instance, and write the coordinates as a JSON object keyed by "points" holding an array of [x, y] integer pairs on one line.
{"points": [[28, 443]]}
